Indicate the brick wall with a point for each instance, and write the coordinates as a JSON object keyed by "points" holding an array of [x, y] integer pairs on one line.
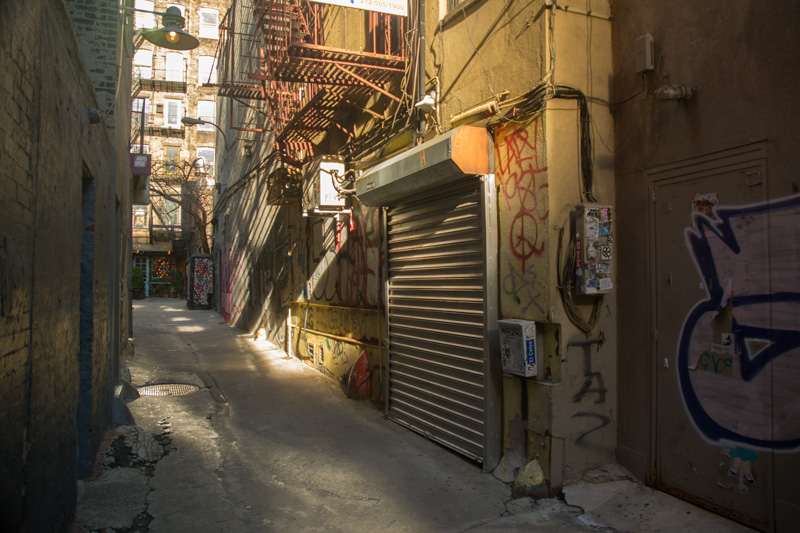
{"points": [[49, 150]]}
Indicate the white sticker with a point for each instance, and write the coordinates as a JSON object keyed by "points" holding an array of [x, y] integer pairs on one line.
{"points": [[592, 228], [605, 284]]}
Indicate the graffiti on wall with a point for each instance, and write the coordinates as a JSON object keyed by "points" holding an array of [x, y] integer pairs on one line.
{"points": [[591, 397], [522, 176], [347, 271], [738, 355], [521, 170]]}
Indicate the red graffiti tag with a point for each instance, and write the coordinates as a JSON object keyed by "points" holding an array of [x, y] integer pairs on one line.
{"points": [[518, 169]]}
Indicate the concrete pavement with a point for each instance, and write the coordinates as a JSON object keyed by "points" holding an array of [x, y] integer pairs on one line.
{"points": [[267, 444]]}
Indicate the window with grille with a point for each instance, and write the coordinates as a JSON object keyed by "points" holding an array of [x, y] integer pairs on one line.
{"points": [[143, 65], [209, 24], [140, 109], [172, 119]]}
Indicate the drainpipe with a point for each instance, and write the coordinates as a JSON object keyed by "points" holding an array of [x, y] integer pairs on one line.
{"points": [[420, 93]]}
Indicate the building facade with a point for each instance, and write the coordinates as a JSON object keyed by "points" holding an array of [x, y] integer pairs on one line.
{"points": [[500, 159], [171, 223], [64, 227], [417, 199]]}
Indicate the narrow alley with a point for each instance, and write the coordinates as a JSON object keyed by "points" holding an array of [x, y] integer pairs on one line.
{"points": [[264, 443]]}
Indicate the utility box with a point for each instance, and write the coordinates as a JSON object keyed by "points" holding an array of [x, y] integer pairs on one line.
{"points": [[594, 249], [320, 196], [518, 346]]}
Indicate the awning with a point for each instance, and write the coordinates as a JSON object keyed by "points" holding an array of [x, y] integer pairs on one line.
{"points": [[463, 151]]}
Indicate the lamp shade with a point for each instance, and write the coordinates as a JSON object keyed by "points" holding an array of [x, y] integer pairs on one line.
{"points": [[172, 37]]}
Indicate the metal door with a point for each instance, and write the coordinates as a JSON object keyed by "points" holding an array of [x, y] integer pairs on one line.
{"points": [[726, 334], [442, 318]]}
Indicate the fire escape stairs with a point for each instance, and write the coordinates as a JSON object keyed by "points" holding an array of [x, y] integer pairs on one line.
{"points": [[275, 54]]}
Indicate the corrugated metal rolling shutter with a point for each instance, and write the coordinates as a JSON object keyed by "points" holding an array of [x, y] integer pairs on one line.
{"points": [[437, 322]]}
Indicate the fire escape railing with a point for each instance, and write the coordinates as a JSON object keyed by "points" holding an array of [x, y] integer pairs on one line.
{"points": [[285, 68]]}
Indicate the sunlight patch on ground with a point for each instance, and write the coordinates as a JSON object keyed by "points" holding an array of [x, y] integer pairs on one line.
{"points": [[275, 354]]}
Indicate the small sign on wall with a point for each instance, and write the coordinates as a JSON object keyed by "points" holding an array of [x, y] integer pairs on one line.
{"points": [[518, 346], [390, 7], [140, 164]]}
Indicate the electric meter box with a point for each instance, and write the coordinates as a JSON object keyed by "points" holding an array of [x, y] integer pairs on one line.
{"points": [[319, 193], [518, 346], [594, 249]]}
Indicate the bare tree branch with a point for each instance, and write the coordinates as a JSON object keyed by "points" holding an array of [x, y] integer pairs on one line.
{"points": [[180, 184]]}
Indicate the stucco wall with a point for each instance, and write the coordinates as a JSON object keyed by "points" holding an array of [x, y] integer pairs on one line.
{"points": [[568, 413]]}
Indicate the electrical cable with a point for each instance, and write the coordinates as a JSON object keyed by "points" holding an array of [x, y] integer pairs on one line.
{"points": [[565, 273]]}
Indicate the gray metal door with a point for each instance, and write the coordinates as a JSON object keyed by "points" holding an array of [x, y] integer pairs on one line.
{"points": [[727, 343], [441, 318]]}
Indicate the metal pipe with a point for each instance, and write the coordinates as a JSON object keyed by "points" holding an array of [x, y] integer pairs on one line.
{"points": [[421, 55], [488, 108]]}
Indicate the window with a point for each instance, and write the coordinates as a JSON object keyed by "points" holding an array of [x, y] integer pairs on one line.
{"points": [[140, 262], [167, 212], [175, 66], [206, 110], [172, 117], [138, 119], [452, 6], [171, 159], [143, 65], [205, 161], [172, 213], [209, 24], [206, 70], [140, 218], [140, 149], [144, 20]]}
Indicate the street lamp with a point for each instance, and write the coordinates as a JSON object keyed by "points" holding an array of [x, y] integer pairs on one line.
{"points": [[188, 121], [171, 36]]}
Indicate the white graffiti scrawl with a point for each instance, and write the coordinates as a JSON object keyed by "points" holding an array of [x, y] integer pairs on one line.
{"points": [[738, 356]]}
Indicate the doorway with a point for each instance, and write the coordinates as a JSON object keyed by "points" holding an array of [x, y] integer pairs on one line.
{"points": [[727, 342]]}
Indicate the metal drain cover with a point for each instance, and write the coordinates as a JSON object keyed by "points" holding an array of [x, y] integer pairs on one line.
{"points": [[168, 389]]}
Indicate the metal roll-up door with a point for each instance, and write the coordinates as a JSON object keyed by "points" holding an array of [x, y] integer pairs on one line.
{"points": [[437, 316]]}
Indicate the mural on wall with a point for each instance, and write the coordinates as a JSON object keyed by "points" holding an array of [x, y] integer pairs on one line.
{"points": [[521, 172], [739, 350], [202, 281]]}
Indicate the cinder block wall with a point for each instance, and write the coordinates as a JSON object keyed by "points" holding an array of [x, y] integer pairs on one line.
{"points": [[50, 152]]}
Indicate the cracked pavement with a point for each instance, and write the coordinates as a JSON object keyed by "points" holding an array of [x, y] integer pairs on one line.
{"points": [[268, 444]]}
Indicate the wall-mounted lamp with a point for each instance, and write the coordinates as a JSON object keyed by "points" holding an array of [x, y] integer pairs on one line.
{"points": [[171, 36]]}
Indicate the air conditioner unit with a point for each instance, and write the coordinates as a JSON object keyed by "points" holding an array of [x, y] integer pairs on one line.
{"points": [[320, 196]]}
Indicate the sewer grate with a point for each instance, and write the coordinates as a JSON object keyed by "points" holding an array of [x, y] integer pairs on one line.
{"points": [[168, 389]]}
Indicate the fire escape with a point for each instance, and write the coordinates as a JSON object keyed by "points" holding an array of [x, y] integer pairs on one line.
{"points": [[281, 73]]}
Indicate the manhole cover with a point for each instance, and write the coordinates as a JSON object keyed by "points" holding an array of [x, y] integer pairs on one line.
{"points": [[168, 389]]}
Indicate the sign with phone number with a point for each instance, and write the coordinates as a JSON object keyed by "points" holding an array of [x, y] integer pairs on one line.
{"points": [[390, 7]]}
